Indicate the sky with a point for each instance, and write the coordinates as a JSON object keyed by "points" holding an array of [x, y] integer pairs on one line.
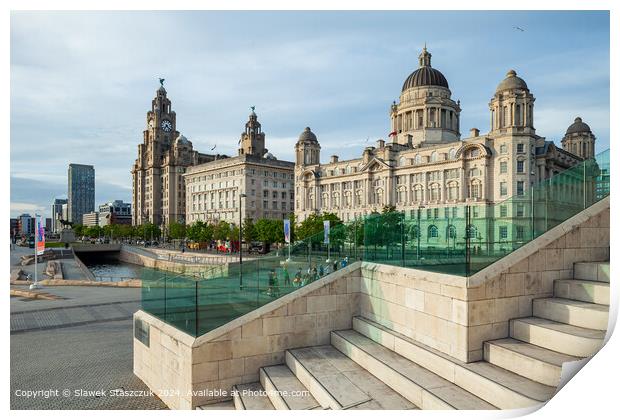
{"points": [[82, 82]]}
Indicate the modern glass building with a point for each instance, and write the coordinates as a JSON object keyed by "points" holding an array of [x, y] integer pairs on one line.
{"points": [[81, 191]]}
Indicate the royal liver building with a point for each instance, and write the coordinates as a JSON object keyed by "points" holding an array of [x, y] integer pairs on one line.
{"points": [[427, 165]]}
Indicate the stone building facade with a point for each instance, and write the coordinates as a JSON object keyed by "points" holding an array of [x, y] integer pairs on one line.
{"points": [[213, 189], [427, 165], [163, 157]]}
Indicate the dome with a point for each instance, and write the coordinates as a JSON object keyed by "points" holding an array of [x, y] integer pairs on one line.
{"points": [[425, 75], [307, 136], [269, 155], [512, 81], [578, 127], [182, 139]]}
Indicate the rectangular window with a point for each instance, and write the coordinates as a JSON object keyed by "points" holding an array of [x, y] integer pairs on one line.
{"points": [[519, 210], [520, 148], [503, 232], [503, 167], [520, 165], [520, 187], [519, 233], [503, 189], [503, 211]]}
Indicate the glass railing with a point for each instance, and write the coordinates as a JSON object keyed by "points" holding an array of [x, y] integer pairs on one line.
{"points": [[458, 239]]}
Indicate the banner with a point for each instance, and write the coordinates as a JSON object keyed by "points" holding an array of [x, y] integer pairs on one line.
{"points": [[39, 235], [287, 231], [326, 231]]}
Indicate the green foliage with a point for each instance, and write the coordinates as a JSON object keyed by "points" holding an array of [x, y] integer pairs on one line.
{"points": [[93, 231], [200, 232], [221, 231], [312, 228], [78, 230], [147, 231], [176, 230], [249, 230]]}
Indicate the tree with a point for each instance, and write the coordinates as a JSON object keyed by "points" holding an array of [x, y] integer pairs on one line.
{"points": [[78, 230], [176, 230], [221, 231], [311, 229], [248, 230], [93, 231]]}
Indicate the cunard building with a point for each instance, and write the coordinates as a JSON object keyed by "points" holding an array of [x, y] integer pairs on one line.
{"points": [[426, 165]]}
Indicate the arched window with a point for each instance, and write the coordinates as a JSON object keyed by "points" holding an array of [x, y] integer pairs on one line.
{"points": [[434, 157], [475, 189], [433, 232], [451, 232], [452, 153], [379, 196], [402, 195], [417, 193], [358, 198], [336, 198], [474, 153], [417, 159], [402, 161], [453, 191], [348, 169], [472, 232], [415, 231], [435, 192]]}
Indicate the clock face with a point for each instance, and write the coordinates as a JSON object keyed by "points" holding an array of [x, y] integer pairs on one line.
{"points": [[166, 125]]}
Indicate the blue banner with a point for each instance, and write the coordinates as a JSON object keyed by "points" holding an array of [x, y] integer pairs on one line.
{"points": [[326, 231]]}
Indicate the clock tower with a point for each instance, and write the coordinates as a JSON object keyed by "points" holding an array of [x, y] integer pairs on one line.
{"points": [[163, 157]]}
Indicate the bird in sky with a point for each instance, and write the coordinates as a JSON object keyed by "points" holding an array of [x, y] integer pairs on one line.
{"points": [[519, 29], [213, 148]]}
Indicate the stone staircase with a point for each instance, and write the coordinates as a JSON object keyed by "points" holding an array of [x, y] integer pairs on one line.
{"points": [[374, 367]]}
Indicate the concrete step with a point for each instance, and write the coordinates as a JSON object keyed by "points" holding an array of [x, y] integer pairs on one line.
{"points": [[499, 387], [251, 397], [583, 290], [595, 271], [337, 382], [284, 389], [525, 359], [419, 385], [224, 405], [552, 335], [573, 312]]}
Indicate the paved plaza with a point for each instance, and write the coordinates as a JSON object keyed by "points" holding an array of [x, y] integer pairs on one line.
{"points": [[81, 344]]}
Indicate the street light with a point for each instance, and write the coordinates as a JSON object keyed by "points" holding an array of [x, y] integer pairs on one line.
{"points": [[419, 233], [242, 195]]}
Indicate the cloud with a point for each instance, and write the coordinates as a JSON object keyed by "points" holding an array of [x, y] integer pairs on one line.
{"points": [[82, 82]]}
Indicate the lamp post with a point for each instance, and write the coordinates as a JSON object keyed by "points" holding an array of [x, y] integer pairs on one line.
{"points": [[242, 195], [419, 232]]}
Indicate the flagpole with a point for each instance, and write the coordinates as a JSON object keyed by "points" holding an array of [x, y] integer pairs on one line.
{"points": [[35, 285]]}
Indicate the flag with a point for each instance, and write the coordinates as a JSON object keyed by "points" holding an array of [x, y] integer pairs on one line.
{"points": [[326, 231], [287, 231], [393, 133], [39, 235]]}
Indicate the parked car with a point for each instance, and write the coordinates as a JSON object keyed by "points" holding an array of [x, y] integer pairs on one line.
{"points": [[258, 248]]}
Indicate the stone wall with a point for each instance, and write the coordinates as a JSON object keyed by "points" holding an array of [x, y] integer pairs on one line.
{"points": [[129, 255], [452, 314], [234, 353], [455, 315]]}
